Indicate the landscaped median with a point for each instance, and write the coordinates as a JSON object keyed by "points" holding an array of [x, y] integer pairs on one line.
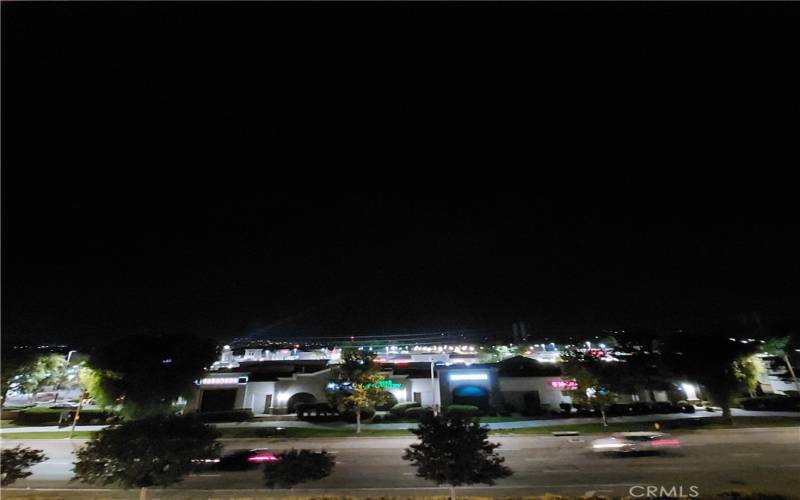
{"points": [[108, 494], [688, 424]]}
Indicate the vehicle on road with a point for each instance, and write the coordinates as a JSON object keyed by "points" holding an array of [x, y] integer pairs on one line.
{"points": [[635, 442], [245, 459]]}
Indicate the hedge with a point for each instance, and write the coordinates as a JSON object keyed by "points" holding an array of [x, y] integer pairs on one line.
{"points": [[399, 409], [41, 416], [416, 413], [238, 415], [350, 415], [462, 409], [772, 403]]}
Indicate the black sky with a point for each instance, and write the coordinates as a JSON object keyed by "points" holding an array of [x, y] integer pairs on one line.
{"points": [[232, 168]]}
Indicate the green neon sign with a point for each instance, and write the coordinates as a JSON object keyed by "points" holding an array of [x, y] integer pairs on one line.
{"points": [[387, 384]]}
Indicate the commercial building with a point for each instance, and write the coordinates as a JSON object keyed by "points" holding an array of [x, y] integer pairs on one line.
{"points": [[276, 387]]}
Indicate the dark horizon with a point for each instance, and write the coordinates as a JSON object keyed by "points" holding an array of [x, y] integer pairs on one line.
{"points": [[165, 180]]}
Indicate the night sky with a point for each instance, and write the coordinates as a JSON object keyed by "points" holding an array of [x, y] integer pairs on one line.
{"points": [[229, 169]]}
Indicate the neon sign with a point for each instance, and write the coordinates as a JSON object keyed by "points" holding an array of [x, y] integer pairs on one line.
{"points": [[388, 384], [564, 384]]}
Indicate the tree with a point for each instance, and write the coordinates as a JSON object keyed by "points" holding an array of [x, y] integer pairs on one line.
{"points": [[716, 359], [297, 466], [39, 372], [130, 366], [454, 450], [356, 383], [153, 451], [16, 461], [594, 380], [781, 347], [13, 364]]}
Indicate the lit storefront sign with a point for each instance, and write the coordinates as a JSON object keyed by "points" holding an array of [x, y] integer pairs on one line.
{"points": [[223, 381], [563, 384], [468, 376]]}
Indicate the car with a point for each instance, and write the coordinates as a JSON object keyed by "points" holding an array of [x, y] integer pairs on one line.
{"points": [[246, 459], [633, 442]]}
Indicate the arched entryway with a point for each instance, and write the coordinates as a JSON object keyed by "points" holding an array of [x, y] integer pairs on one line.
{"points": [[296, 399], [471, 395]]}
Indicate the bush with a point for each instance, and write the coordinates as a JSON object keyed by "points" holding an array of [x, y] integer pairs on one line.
{"points": [[350, 415], [418, 413], [771, 403], [317, 412], [17, 461], [506, 409], [399, 409], [297, 466], [462, 409], [43, 416], [239, 415], [377, 419]]}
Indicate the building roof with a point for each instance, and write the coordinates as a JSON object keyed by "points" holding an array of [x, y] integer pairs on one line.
{"points": [[521, 366]]}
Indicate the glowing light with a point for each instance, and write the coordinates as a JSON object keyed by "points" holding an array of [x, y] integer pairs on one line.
{"points": [[468, 376], [563, 384], [223, 381], [608, 445]]}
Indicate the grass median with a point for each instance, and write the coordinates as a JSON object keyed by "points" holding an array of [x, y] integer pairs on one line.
{"points": [[688, 424]]}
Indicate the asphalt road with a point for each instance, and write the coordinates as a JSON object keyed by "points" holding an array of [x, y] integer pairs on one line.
{"points": [[713, 461]]}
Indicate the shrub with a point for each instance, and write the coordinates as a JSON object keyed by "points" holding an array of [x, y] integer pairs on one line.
{"points": [[297, 466], [399, 409], [17, 461], [42, 416], [417, 412], [463, 410], [773, 403], [377, 419], [350, 415], [507, 409], [238, 415]]}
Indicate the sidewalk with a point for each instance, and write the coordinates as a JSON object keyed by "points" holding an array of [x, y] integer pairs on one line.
{"points": [[408, 425]]}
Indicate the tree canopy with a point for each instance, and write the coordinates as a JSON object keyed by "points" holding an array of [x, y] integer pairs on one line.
{"points": [[297, 466], [153, 451], [454, 450], [716, 359], [15, 462], [355, 383], [129, 368], [594, 379]]}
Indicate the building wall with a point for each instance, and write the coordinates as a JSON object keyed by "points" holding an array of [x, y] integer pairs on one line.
{"points": [[256, 395], [514, 388], [426, 390]]}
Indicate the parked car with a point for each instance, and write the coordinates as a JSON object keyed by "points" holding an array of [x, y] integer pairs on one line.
{"points": [[632, 442]]}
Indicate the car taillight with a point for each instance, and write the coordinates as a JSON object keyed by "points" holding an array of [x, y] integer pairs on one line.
{"points": [[666, 442], [262, 457]]}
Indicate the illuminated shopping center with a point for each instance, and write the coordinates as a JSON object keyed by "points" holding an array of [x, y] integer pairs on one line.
{"points": [[274, 381]]}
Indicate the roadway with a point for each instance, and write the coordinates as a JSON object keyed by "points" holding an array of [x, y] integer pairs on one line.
{"points": [[766, 459]]}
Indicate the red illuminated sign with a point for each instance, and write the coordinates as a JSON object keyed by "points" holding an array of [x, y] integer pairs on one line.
{"points": [[563, 384]]}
